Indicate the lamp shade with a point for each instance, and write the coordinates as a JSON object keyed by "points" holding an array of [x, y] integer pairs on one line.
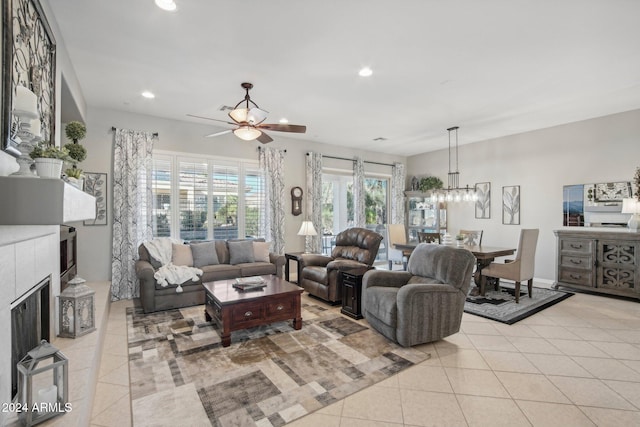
{"points": [[630, 206], [239, 114], [247, 133], [307, 229]]}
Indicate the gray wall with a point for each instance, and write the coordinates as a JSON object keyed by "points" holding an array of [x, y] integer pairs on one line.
{"points": [[604, 149], [94, 242]]}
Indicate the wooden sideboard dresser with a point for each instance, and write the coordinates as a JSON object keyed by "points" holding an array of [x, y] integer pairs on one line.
{"points": [[599, 261]]}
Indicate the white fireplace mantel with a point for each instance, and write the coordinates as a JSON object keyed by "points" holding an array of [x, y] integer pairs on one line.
{"points": [[43, 201]]}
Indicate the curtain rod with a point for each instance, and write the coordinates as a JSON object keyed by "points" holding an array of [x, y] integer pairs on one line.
{"points": [[353, 160], [155, 134], [260, 148]]}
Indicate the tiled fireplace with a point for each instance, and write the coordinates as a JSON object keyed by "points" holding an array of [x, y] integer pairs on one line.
{"points": [[28, 256]]}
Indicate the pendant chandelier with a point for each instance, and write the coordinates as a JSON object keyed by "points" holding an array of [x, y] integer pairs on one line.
{"points": [[453, 192]]}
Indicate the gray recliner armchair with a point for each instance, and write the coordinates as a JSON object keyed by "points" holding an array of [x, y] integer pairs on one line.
{"points": [[424, 303], [355, 248]]}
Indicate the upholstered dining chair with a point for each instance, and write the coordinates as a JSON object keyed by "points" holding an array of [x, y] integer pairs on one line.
{"points": [[424, 303], [518, 270], [396, 234], [472, 237], [428, 237]]}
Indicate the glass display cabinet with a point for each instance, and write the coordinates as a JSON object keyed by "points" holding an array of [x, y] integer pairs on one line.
{"points": [[423, 213]]}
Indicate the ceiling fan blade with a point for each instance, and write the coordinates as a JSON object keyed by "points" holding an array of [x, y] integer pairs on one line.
{"points": [[264, 138], [283, 127], [218, 133], [209, 118]]}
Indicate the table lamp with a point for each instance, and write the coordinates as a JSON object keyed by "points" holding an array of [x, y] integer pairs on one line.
{"points": [[632, 206], [307, 230]]}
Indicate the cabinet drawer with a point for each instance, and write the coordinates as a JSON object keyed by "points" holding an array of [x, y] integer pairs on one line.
{"points": [[576, 276], [576, 261], [247, 313], [576, 245], [283, 307]]}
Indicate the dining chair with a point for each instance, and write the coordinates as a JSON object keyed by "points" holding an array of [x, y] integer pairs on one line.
{"points": [[396, 234], [472, 237], [518, 270], [428, 237]]}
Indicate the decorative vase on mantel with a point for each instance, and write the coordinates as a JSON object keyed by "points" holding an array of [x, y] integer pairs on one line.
{"points": [[48, 168]]}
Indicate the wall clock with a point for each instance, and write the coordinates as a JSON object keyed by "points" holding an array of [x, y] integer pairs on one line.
{"points": [[296, 201]]}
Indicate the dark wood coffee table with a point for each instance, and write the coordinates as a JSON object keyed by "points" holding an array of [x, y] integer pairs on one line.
{"points": [[233, 309]]}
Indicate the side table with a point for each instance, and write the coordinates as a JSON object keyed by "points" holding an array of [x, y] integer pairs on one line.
{"points": [[351, 282], [292, 256]]}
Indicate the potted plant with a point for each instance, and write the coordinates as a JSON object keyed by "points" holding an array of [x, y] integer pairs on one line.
{"points": [[430, 183], [75, 177], [460, 239], [49, 159], [75, 131]]}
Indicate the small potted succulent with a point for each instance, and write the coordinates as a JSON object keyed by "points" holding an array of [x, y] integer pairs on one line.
{"points": [[75, 177], [460, 239], [49, 159]]}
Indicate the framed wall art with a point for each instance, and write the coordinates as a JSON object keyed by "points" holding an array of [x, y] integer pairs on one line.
{"points": [[29, 53], [95, 183], [511, 205], [483, 204]]}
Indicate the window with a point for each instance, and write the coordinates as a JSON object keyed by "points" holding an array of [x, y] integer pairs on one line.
{"points": [[204, 199], [338, 207]]}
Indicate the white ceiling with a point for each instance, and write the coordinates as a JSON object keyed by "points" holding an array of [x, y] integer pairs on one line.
{"points": [[492, 67]]}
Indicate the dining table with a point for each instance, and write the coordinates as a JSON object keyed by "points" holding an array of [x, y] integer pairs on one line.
{"points": [[484, 255]]}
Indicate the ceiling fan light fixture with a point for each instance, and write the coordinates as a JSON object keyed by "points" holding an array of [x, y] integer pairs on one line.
{"points": [[247, 133], [239, 114]]}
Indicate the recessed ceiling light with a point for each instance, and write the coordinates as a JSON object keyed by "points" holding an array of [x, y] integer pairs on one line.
{"points": [[284, 120], [365, 72], [168, 5], [148, 95]]}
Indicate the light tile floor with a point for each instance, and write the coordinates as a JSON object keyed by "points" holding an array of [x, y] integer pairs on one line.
{"points": [[574, 364]]}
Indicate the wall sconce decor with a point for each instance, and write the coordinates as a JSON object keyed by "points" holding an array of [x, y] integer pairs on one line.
{"points": [[77, 309], [28, 75], [43, 378]]}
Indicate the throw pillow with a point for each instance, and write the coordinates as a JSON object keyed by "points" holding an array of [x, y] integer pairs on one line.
{"points": [[204, 254], [261, 251], [240, 252], [181, 255]]}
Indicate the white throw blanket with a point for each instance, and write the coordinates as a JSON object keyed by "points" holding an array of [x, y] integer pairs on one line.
{"points": [[160, 249], [171, 274]]}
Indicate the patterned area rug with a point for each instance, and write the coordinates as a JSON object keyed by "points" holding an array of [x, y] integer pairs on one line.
{"points": [[501, 305], [270, 375]]}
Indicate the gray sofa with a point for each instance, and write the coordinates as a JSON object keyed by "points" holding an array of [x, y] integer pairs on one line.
{"points": [[424, 303], [155, 297]]}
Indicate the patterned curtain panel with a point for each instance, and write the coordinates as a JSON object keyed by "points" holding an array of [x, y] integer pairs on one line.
{"points": [[132, 208], [359, 218], [314, 200], [398, 178], [272, 165]]}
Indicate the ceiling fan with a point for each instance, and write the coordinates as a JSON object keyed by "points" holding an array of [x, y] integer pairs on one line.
{"points": [[249, 118]]}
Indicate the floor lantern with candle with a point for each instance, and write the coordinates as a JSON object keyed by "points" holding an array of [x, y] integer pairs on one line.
{"points": [[43, 377]]}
